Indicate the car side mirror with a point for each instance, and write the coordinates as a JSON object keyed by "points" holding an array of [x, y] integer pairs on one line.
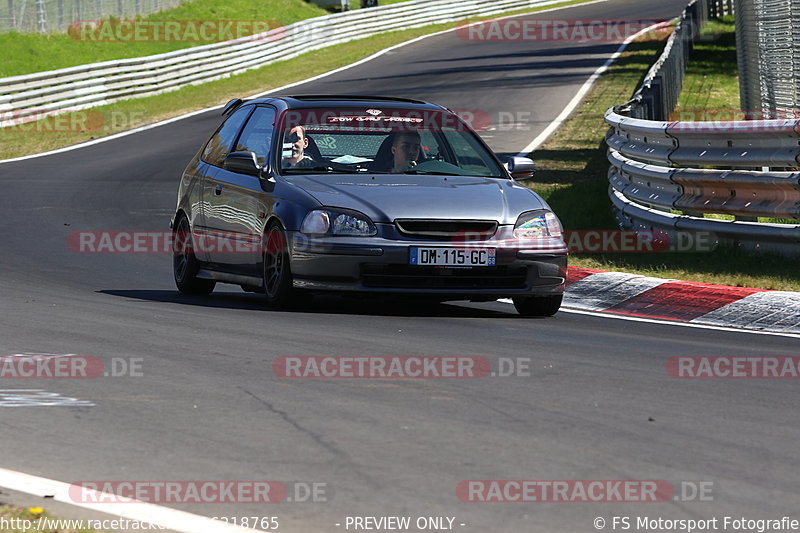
{"points": [[521, 168], [242, 163]]}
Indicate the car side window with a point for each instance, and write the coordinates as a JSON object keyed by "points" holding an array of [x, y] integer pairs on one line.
{"points": [[469, 157], [430, 146], [257, 134], [219, 146]]}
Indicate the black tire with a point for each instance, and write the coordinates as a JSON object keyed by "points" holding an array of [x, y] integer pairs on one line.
{"points": [[184, 263], [276, 268], [538, 305]]}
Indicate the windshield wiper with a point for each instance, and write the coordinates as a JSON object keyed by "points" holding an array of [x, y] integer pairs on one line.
{"points": [[330, 170], [431, 172], [439, 173]]}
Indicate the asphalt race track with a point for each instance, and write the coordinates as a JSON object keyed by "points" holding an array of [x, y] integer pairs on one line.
{"points": [[598, 405]]}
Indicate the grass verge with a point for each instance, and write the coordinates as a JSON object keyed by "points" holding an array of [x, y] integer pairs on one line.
{"points": [[71, 128], [24, 53], [711, 86], [573, 168]]}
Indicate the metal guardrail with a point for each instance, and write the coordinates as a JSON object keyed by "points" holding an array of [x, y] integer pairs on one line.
{"points": [[102, 83], [730, 192], [754, 236], [657, 180], [736, 144]]}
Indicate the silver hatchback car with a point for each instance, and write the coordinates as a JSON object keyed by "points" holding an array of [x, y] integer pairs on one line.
{"points": [[294, 195]]}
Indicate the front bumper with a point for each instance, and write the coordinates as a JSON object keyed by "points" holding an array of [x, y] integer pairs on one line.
{"points": [[380, 264]]}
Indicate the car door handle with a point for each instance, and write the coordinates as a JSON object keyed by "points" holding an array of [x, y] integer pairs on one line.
{"points": [[218, 190]]}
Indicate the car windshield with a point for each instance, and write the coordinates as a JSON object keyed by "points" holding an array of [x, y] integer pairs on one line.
{"points": [[392, 141]]}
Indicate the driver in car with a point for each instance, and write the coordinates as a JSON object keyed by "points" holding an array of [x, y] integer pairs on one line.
{"points": [[405, 151], [298, 158]]}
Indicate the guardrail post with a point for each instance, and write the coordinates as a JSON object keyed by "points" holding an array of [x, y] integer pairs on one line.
{"points": [[41, 17], [12, 21], [647, 105], [657, 111]]}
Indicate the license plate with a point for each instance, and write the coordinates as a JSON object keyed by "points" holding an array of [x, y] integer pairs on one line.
{"points": [[454, 257]]}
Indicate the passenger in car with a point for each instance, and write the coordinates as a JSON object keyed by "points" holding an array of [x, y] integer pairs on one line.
{"points": [[298, 159], [405, 151]]}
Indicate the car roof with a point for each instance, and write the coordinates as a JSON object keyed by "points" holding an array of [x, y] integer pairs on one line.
{"points": [[326, 100]]}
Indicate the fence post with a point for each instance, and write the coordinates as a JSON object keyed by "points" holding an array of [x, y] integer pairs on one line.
{"points": [[657, 92], [60, 14], [41, 16], [78, 14]]}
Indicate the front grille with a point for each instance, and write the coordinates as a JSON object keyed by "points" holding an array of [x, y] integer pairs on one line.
{"points": [[446, 229], [413, 277]]}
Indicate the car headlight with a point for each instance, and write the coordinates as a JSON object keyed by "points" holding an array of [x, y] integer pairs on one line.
{"points": [[538, 224], [338, 222]]}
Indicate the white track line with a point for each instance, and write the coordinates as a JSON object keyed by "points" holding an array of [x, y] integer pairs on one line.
{"points": [[171, 519], [681, 324], [576, 101], [271, 91], [665, 322]]}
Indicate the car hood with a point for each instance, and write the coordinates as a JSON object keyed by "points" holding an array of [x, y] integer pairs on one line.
{"points": [[386, 197]]}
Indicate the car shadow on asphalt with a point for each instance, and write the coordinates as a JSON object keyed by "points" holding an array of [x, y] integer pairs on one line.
{"points": [[321, 304]]}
